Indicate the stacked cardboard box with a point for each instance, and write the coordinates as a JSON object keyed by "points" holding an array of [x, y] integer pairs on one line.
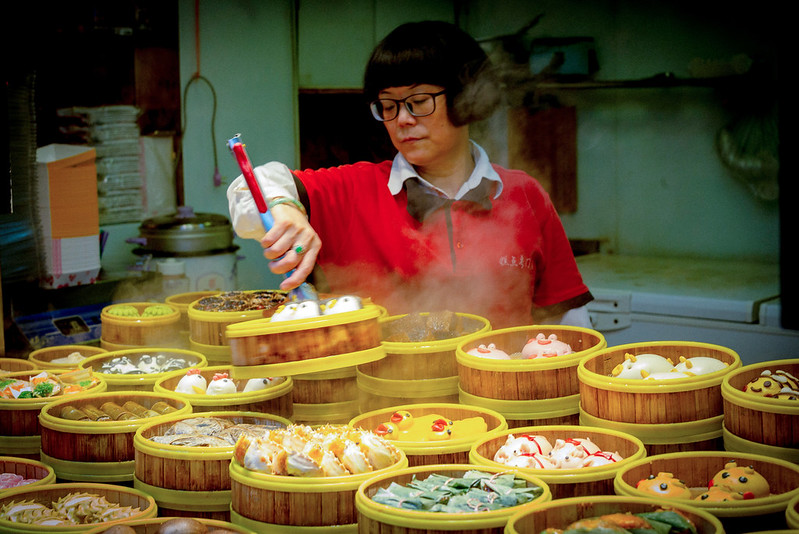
{"points": [[67, 215], [115, 135]]}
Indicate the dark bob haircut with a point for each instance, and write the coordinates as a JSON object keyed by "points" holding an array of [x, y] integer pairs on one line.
{"points": [[436, 53]]}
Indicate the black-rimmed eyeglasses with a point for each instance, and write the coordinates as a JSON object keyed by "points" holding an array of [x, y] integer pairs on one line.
{"points": [[418, 105]]}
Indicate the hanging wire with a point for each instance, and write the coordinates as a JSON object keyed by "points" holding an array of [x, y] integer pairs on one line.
{"points": [[197, 77]]}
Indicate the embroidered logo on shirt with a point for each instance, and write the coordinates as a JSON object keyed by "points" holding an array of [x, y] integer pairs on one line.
{"points": [[521, 261]]}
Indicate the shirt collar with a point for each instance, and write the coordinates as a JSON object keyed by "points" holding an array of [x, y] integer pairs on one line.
{"points": [[401, 170]]}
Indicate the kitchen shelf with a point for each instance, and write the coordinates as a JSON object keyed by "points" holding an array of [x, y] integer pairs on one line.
{"points": [[659, 81]]}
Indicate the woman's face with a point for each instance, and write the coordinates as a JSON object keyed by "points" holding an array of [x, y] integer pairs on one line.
{"points": [[424, 141]]}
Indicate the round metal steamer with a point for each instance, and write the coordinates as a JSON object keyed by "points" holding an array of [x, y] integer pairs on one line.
{"points": [[186, 232]]}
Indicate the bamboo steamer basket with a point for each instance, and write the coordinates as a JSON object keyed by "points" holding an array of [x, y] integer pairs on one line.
{"points": [[13, 365], [189, 481], [215, 354], [453, 451], [533, 392], [756, 424], [20, 430], [308, 345], [374, 517], [181, 301], [274, 503], [420, 360], [210, 327], [27, 468], [276, 399], [325, 397], [159, 331], [43, 358], [667, 415], [792, 513], [562, 512], [142, 382], [152, 526], [52, 492], [697, 468], [97, 451], [565, 483], [376, 392]]}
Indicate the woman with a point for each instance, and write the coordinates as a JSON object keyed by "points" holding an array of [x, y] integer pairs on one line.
{"points": [[440, 227]]}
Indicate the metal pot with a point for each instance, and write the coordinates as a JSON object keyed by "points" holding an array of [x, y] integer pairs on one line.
{"points": [[186, 233]]}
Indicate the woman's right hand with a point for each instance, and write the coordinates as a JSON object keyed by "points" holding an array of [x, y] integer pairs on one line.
{"points": [[291, 245], [290, 230]]}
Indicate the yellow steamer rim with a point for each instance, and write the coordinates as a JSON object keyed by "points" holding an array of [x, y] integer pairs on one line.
{"points": [[559, 513], [13, 365], [97, 450], [152, 525], [195, 486], [760, 425], [182, 301], [421, 359], [530, 391], [792, 513], [567, 482], [142, 382], [128, 332], [701, 466], [52, 492], [439, 452], [241, 401], [26, 468], [43, 357], [301, 346], [310, 493], [371, 512], [209, 327], [20, 430], [664, 414]]}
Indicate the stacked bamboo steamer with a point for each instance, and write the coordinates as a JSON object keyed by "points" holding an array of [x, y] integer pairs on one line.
{"points": [[319, 352], [210, 315], [420, 364]]}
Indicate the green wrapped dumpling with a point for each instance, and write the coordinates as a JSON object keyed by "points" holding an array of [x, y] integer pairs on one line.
{"points": [[156, 310], [123, 310]]}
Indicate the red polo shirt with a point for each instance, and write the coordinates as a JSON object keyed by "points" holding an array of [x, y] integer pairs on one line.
{"points": [[498, 264]]}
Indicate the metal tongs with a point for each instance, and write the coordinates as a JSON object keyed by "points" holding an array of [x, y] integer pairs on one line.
{"points": [[304, 291]]}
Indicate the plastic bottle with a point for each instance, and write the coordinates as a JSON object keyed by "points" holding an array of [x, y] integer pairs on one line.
{"points": [[173, 277]]}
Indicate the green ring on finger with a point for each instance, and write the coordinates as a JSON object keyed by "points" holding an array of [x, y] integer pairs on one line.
{"points": [[299, 250]]}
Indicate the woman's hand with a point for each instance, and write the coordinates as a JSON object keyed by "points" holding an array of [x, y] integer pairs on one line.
{"points": [[294, 242]]}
